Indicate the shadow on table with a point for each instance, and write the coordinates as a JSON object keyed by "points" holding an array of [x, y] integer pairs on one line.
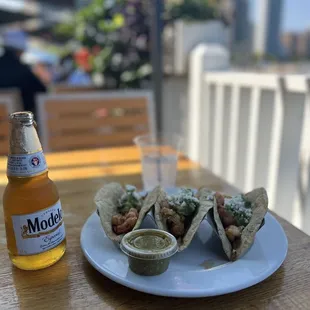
{"points": [[120, 297], [46, 286]]}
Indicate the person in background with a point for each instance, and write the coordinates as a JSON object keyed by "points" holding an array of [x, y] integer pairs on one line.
{"points": [[80, 76], [64, 69], [15, 74], [43, 71]]}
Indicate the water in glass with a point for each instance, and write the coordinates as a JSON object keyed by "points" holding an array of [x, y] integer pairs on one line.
{"points": [[159, 169]]}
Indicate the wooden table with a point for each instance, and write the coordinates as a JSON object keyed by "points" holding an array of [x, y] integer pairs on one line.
{"points": [[73, 284]]}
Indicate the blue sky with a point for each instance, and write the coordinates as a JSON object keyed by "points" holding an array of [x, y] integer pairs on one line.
{"points": [[296, 14]]}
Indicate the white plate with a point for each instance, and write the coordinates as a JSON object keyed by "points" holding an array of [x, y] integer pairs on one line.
{"points": [[189, 273]]}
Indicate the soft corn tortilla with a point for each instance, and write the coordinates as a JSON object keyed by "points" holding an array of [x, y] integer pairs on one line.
{"points": [[259, 201], [106, 201], [205, 206]]}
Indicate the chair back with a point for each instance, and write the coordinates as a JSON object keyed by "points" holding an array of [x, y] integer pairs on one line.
{"points": [[94, 119]]}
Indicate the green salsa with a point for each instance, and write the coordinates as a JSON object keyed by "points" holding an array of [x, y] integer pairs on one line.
{"points": [[149, 250]]}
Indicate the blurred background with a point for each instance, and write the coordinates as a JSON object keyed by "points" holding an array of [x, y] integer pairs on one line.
{"points": [[260, 34], [230, 75]]}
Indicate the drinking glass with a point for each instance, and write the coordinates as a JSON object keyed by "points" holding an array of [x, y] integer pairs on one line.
{"points": [[159, 157]]}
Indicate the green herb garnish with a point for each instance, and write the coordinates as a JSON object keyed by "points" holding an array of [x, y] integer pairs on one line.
{"points": [[240, 209], [130, 199], [184, 203]]}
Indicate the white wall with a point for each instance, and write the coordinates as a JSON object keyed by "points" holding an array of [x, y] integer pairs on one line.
{"points": [[189, 34]]}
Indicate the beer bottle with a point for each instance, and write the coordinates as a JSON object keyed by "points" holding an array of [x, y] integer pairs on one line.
{"points": [[33, 216]]}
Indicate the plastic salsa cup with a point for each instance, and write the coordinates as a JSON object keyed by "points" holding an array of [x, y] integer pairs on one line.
{"points": [[149, 250]]}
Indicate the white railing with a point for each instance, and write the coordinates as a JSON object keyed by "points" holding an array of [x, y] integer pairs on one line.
{"points": [[252, 130]]}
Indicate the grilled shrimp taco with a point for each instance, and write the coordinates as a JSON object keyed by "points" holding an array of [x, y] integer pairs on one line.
{"points": [[121, 210], [181, 214], [237, 220]]}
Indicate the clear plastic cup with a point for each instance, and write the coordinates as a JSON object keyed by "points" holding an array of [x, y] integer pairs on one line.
{"points": [[159, 157]]}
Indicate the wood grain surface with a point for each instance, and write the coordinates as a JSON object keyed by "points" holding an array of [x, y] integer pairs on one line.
{"points": [[95, 122], [73, 284]]}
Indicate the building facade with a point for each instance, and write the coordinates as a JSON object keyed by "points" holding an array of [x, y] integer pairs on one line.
{"points": [[267, 28], [289, 43], [296, 45], [241, 21]]}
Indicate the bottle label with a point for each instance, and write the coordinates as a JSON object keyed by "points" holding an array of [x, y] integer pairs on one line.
{"points": [[25, 165], [39, 232]]}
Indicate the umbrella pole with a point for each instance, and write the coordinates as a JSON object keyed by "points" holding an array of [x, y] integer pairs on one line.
{"points": [[156, 58]]}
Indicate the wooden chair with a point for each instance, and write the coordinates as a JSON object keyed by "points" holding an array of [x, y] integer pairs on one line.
{"points": [[94, 119], [9, 102]]}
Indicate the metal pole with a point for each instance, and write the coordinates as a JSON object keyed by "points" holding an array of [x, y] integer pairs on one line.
{"points": [[156, 57]]}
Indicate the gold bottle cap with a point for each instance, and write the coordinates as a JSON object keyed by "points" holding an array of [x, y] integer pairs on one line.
{"points": [[24, 117]]}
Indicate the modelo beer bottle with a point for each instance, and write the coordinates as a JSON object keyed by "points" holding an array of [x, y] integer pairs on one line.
{"points": [[34, 224]]}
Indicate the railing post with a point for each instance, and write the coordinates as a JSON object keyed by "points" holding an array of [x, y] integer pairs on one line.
{"points": [[275, 142], [195, 91], [218, 129], [252, 139], [233, 140], [242, 136], [206, 125], [304, 172], [288, 169]]}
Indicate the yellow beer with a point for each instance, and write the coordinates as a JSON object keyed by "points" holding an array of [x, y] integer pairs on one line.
{"points": [[34, 224]]}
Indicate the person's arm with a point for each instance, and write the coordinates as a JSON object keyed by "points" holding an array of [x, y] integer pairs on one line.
{"points": [[33, 82]]}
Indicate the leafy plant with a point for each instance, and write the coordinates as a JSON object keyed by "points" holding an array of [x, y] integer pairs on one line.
{"points": [[117, 35], [192, 10]]}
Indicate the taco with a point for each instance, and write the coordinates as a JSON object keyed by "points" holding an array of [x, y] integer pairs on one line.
{"points": [[237, 219], [121, 210], [181, 214]]}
